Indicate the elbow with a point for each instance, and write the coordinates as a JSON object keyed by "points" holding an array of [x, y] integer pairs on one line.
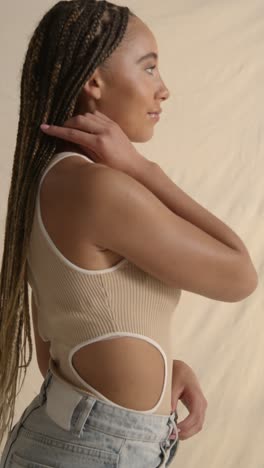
{"points": [[247, 291], [248, 283], [251, 285]]}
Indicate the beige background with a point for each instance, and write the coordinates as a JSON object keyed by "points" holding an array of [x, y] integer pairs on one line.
{"points": [[210, 142]]}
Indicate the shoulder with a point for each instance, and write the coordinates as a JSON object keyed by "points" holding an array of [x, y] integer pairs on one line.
{"points": [[99, 182]]}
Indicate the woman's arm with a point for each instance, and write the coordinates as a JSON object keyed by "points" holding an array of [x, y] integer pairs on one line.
{"points": [[180, 203]]}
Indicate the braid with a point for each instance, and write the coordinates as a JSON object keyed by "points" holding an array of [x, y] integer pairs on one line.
{"points": [[72, 39]]}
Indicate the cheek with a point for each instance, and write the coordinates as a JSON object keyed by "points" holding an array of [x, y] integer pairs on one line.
{"points": [[130, 101], [133, 90], [123, 98]]}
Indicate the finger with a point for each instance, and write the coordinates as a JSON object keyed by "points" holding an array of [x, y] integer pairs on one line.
{"points": [[191, 420], [77, 123], [196, 413], [183, 435], [88, 122], [103, 116], [194, 401], [191, 425], [70, 134]]}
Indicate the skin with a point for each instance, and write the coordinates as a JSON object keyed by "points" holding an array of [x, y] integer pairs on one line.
{"points": [[136, 87]]}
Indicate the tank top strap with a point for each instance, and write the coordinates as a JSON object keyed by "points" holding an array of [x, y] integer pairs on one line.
{"points": [[58, 157], [64, 154]]}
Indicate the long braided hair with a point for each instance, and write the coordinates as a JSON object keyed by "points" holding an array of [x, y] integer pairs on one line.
{"points": [[72, 39]]}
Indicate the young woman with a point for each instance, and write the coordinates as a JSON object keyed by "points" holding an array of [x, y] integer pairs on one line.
{"points": [[107, 242]]}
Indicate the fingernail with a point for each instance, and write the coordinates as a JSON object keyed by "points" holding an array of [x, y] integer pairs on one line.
{"points": [[44, 126]]}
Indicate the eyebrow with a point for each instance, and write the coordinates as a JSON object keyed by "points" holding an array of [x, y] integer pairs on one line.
{"points": [[147, 56]]}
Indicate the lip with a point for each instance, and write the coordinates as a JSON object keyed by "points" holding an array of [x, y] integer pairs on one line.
{"points": [[154, 115], [159, 111]]}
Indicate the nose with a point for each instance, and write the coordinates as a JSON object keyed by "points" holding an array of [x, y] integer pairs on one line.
{"points": [[164, 92]]}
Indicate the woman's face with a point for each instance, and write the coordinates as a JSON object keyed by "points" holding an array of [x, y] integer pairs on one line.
{"points": [[127, 87]]}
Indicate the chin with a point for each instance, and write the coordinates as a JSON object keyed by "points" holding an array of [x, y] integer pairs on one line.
{"points": [[142, 138]]}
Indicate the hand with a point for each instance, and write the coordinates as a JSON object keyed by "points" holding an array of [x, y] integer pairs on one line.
{"points": [[185, 387], [100, 138]]}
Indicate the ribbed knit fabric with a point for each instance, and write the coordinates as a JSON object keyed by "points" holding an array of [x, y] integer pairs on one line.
{"points": [[77, 306]]}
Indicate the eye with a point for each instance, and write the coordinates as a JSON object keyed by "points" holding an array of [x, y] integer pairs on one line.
{"points": [[151, 68]]}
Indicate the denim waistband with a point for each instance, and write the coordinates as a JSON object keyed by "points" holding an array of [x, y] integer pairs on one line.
{"points": [[76, 412]]}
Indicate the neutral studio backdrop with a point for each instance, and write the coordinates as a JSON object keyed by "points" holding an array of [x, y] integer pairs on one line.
{"points": [[210, 141]]}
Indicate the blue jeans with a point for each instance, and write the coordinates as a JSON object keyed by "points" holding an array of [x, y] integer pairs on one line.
{"points": [[64, 428]]}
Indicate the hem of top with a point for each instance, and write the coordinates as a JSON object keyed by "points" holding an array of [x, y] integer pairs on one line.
{"points": [[112, 335], [100, 398]]}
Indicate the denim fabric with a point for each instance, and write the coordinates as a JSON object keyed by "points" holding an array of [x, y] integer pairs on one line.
{"points": [[64, 428]]}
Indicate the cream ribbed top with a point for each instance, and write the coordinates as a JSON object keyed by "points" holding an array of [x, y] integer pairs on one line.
{"points": [[78, 306]]}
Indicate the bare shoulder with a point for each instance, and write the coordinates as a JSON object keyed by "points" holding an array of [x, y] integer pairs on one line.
{"points": [[99, 181]]}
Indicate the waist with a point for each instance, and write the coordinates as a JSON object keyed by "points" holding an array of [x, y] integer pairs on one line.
{"points": [[162, 407]]}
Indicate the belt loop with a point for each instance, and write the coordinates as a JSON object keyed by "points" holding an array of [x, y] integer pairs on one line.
{"points": [[84, 408], [61, 403]]}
